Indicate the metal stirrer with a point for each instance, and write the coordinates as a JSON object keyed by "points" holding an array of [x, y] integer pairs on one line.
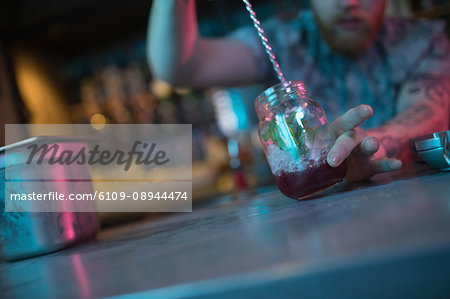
{"points": [[265, 41]]}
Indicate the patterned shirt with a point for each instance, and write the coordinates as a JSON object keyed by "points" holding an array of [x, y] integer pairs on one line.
{"points": [[402, 50]]}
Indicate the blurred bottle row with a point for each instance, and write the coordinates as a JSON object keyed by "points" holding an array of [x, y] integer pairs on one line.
{"points": [[117, 87]]}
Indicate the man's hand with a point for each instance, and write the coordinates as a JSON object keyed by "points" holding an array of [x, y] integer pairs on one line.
{"points": [[362, 153]]}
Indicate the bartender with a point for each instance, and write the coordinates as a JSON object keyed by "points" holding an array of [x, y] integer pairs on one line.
{"points": [[355, 62]]}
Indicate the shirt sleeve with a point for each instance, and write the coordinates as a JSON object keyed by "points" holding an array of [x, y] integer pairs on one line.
{"points": [[436, 59], [429, 47]]}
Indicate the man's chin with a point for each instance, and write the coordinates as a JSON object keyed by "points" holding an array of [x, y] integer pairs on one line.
{"points": [[349, 44]]}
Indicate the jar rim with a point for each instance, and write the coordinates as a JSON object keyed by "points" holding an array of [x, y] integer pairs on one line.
{"points": [[295, 85]]}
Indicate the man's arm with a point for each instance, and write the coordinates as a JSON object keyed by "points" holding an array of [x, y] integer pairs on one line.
{"points": [[179, 55], [423, 107]]}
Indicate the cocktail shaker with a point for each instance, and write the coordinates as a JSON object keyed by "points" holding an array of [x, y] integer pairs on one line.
{"points": [[27, 234]]}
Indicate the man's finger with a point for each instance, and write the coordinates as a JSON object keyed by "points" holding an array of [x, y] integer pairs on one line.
{"points": [[385, 165], [351, 119], [343, 147], [369, 146]]}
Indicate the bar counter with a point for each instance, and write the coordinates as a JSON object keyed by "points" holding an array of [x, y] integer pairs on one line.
{"points": [[390, 240]]}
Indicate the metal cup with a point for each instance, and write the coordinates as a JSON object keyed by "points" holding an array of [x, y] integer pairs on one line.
{"points": [[27, 234]]}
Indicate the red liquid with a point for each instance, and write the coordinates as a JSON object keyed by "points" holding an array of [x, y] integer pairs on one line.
{"points": [[312, 179]]}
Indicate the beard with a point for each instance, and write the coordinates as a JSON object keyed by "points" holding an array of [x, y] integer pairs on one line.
{"points": [[349, 42]]}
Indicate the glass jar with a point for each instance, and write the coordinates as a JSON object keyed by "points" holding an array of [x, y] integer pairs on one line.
{"points": [[296, 138]]}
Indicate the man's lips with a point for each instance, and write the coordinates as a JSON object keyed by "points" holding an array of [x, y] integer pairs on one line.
{"points": [[350, 23]]}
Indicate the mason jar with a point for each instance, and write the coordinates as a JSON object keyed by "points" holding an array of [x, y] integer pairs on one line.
{"points": [[296, 139]]}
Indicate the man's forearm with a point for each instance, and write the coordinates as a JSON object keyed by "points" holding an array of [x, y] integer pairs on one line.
{"points": [[429, 113], [172, 37]]}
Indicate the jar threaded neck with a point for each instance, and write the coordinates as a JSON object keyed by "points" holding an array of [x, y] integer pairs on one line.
{"points": [[273, 93]]}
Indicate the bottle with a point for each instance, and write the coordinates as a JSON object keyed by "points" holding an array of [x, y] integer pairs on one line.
{"points": [[296, 139]]}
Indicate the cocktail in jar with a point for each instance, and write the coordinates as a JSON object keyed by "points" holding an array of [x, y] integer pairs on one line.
{"points": [[296, 139]]}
